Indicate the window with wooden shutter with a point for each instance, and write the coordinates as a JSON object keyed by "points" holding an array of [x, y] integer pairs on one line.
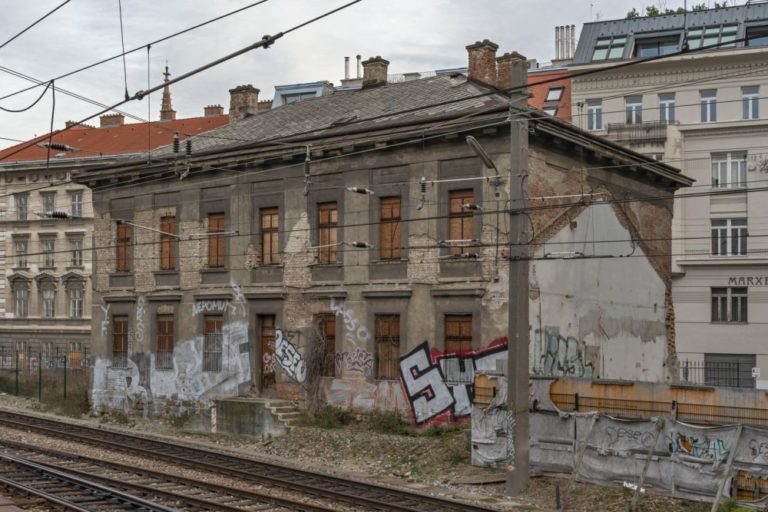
{"points": [[167, 243], [328, 232], [459, 220], [390, 231], [120, 341], [327, 325], [270, 236], [212, 343], [458, 334], [164, 356], [387, 347], [123, 245], [216, 242]]}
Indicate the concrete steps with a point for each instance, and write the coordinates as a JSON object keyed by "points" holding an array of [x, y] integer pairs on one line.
{"points": [[285, 411]]}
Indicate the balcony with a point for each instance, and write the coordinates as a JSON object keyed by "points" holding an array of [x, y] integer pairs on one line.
{"points": [[653, 131]]}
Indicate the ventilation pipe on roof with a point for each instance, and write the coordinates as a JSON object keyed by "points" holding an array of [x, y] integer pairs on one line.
{"points": [[346, 68], [358, 65]]}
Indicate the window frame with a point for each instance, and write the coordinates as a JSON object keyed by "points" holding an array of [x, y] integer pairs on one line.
{"points": [[729, 305], [21, 300], [269, 228], [729, 236], [119, 343], [328, 232], [762, 34], [387, 346], [557, 90], [326, 325], [166, 341], [464, 217], [729, 165], [390, 228], [168, 243], [708, 105], [123, 244], [595, 115], [21, 250], [213, 343], [48, 200], [633, 107], [614, 47], [48, 245], [667, 108], [21, 202], [76, 204], [710, 35], [217, 249], [76, 251], [550, 110], [76, 296], [464, 323], [750, 102], [47, 303]]}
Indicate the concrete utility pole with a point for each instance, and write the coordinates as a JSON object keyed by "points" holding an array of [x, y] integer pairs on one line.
{"points": [[517, 371]]}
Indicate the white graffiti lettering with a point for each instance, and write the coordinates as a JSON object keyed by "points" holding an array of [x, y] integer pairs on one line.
{"points": [[356, 334], [289, 359], [359, 361], [237, 291], [105, 320], [213, 306]]}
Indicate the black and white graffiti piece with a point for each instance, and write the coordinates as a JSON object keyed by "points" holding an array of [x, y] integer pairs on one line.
{"points": [[289, 359]]}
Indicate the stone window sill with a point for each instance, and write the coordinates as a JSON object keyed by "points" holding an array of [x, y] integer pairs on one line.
{"points": [[214, 270]]}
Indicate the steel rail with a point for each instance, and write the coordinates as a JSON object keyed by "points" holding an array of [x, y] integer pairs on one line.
{"points": [[354, 492]]}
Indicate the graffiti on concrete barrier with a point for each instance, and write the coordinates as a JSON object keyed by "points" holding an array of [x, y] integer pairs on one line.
{"points": [[561, 356], [213, 306], [356, 361], [439, 386], [758, 448], [357, 334], [289, 358], [642, 438], [699, 446]]}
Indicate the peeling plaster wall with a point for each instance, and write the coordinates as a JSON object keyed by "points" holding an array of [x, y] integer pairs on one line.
{"points": [[601, 317]]}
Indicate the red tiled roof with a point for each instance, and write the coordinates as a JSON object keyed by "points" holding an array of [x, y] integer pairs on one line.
{"points": [[112, 140]]}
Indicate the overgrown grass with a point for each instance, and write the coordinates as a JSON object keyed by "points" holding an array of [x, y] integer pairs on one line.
{"points": [[326, 417], [390, 422]]}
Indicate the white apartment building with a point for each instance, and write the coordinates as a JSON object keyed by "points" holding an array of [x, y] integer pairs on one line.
{"points": [[706, 112]]}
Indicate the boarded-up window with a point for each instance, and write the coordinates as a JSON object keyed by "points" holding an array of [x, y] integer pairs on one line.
{"points": [[164, 360], [326, 323], [267, 336], [458, 333], [212, 343], [390, 239], [216, 242], [387, 347], [167, 243], [328, 229], [120, 341], [123, 246], [270, 237], [459, 220]]}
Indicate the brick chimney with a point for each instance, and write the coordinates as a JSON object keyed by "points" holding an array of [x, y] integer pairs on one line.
{"points": [[510, 68], [375, 72], [243, 101], [110, 120], [213, 111], [482, 61]]}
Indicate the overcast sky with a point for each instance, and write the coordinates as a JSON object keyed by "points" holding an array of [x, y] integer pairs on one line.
{"points": [[414, 35]]}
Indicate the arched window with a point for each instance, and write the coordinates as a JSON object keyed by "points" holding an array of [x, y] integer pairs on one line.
{"points": [[76, 297]]}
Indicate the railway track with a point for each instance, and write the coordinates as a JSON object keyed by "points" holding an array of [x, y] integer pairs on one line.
{"points": [[357, 494], [173, 491]]}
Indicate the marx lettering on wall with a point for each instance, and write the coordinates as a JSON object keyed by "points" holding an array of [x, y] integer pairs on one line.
{"points": [[748, 281]]}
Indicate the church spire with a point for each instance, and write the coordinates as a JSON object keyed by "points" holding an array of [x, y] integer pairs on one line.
{"points": [[166, 110]]}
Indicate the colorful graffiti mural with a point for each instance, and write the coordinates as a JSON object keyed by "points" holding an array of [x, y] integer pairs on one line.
{"points": [[438, 386]]}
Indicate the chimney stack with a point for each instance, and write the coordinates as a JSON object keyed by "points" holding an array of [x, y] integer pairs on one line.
{"points": [[110, 120], [243, 101], [510, 67], [375, 72], [557, 42], [213, 111], [573, 42], [358, 66], [346, 68], [482, 61]]}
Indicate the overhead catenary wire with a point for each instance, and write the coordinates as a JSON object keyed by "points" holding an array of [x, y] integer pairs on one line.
{"points": [[28, 27], [122, 46], [265, 42]]}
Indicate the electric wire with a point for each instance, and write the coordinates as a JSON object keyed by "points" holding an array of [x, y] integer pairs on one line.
{"points": [[122, 43], [65, 2], [17, 111]]}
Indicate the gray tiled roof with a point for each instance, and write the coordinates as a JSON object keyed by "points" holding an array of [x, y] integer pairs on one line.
{"points": [[339, 111], [741, 14]]}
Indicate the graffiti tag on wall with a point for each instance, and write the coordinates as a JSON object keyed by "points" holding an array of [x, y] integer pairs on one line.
{"points": [[561, 356], [105, 319], [288, 357], [139, 334], [699, 446], [357, 334], [357, 361], [213, 306], [440, 385]]}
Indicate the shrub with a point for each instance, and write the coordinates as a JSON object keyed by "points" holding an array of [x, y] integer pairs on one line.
{"points": [[388, 422]]}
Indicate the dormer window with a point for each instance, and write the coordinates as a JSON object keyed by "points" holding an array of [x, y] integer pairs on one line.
{"points": [[607, 48], [654, 47], [722, 35], [554, 94], [757, 36]]}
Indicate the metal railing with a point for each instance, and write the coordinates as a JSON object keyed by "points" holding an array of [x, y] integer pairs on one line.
{"points": [[653, 131], [718, 373]]}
